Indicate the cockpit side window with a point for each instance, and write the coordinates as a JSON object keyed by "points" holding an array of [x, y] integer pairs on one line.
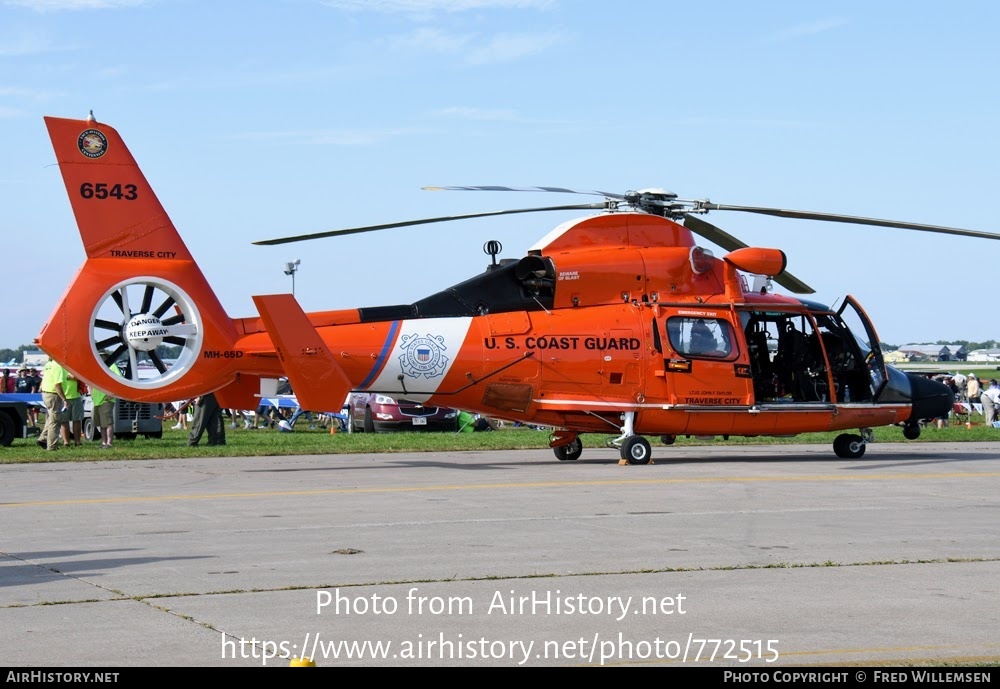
{"points": [[701, 338]]}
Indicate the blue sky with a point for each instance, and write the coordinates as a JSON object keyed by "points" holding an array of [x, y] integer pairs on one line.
{"points": [[258, 119]]}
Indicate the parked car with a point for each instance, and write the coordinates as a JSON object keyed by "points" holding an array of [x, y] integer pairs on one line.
{"points": [[372, 411]]}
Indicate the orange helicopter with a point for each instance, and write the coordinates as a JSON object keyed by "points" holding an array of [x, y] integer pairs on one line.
{"points": [[616, 323]]}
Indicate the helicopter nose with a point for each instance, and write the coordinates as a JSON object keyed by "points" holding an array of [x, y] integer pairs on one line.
{"points": [[931, 399]]}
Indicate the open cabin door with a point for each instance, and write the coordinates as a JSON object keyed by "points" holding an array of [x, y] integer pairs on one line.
{"points": [[861, 327]]}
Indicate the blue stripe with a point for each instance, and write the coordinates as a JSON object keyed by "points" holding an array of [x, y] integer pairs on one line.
{"points": [[390, 340]]}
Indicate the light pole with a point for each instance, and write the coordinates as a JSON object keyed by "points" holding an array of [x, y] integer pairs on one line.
{"points": [[290, 268]]}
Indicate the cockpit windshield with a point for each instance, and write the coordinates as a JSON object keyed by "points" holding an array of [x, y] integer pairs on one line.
{"points": [[818, 356]]}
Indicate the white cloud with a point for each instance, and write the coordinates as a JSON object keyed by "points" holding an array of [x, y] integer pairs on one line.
{"points": [[17, 43], [6, 112], [717, 122], [330, 137], [432, 41], [807, 29], [509, 47], [474, 49], [428, 6], [484, 114], [513, 117], [73, 5]]}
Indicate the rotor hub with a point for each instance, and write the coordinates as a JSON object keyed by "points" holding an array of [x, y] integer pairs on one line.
{"points": [[145, 332]]}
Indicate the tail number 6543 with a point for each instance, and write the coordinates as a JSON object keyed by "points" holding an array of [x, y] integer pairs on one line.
{"points": [[101, 190]]}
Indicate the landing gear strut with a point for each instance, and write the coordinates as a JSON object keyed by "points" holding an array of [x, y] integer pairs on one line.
{"points": [[849, 446], [634, 448], [566, 445], [570, 452]]}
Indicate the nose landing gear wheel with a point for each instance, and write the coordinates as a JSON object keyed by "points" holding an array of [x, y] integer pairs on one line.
{"points": [[134, 318], [849, 446], [636, 450]]}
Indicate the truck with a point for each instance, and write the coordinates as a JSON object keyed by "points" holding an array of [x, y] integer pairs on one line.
{"points": [[131, 419], [14, 416]]}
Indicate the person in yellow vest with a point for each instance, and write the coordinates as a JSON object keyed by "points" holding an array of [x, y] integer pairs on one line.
{"points": [[104, 412], [72, 426], [54, 397]]}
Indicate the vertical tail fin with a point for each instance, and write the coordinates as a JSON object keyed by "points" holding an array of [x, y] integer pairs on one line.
{"points": [[139, 287], [116, 210]]}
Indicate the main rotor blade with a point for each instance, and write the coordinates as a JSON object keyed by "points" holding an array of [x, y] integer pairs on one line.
{"points": [[731, 243], [426, 221], [557, 190], [850, 219]]}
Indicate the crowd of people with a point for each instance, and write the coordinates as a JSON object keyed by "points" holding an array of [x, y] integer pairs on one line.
{"points": [[25, 380], [202, 416], [973, 391]]}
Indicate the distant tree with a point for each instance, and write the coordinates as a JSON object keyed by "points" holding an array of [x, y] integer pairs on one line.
{"points": [[16, 354], [970, 346], [169, 351]]}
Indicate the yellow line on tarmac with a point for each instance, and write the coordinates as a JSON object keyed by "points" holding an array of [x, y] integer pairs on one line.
{"points": [[493, 486]]}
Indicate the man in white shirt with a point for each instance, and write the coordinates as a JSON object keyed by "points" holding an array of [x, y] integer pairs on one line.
{"points": [[991, 402]]}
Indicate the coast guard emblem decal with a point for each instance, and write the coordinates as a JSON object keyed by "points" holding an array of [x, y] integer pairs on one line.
{"points": [[92, 143], [423, 356]]}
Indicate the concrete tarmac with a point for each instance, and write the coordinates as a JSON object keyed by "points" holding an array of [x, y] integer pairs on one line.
{"points": [[744, 556]]}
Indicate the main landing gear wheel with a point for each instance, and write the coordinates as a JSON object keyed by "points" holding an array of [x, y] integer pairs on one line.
{"points": [[570, 452], [849, 446], [134, 318], [911, 431], [636, 450]]}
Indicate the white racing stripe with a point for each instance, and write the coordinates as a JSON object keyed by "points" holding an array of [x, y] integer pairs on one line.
{"points": [[423, 353]]}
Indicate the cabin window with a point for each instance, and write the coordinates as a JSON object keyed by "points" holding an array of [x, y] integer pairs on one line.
{"points": [[701, 338]]}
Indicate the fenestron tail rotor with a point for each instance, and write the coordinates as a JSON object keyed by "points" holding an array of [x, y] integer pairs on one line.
{"points": [[136, 317]]}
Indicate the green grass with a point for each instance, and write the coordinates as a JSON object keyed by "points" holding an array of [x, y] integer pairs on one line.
{"points": [[264, 442]]}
